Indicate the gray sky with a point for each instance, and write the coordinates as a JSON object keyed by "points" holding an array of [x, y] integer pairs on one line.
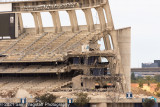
{"points": [[142, 15], [144, 18]]}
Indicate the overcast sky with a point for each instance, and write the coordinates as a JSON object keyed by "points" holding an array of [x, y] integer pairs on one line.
{"points": [[142, 15], [144, 18]]}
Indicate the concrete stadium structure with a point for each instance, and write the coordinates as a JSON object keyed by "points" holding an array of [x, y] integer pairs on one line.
{"points": [[65, 57]]}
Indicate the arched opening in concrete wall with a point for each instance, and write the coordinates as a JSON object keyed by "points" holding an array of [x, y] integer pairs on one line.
{"points": [[104, 59], [46, 19], [95, 16], [64, 18], [28, 21], [101, 42], [81, 17]]}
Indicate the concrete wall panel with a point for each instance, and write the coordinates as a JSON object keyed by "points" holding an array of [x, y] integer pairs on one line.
{"points": [[124, 42]]}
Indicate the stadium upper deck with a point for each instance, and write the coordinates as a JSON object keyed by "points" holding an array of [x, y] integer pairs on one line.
{"points": [[46, 46], [13, 1]]}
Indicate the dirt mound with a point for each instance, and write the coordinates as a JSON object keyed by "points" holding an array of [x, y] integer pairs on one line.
{"points": [[21, 93], [141, 92]]}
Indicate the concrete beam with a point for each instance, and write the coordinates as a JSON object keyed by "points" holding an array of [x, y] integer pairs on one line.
{"points": [[110, 24], [73, 20], [56, 21], [101, 18], [89, 19]]}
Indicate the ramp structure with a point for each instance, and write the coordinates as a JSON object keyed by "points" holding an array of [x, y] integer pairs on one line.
{"points": [[68, 52]]}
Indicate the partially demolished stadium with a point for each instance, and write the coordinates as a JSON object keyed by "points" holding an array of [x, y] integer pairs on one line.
{"points": [[63, 58]]}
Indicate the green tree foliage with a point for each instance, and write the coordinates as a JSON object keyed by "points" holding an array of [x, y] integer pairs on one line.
{"points": [[133, 76], [82, 99], [148, 78], [141, 84], [158, 94], [148, 102], [157, 78], [47, 98], [158, 87]]}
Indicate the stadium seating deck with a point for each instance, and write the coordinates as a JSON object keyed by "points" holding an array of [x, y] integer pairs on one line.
{"points": [[43, 47], [32, 69]]}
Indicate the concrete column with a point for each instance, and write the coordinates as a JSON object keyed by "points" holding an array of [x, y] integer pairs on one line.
{"points": [[101, 105], [101, 18], [127, 105], [109, 105], [58, 1], [121, 105], [114, 38], [73, 20], [36, 22], [40, 22], [65, 1], [108, 15], [131, 104], [124, 41], [95, 2], [90, 2], [16, 25], [107, 41], [89, 19], [93, 105], [66, 105], [20, 22], [56, 21], [121, 43]]}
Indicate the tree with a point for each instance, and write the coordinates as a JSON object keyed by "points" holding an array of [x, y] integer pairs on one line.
{"points": [[46, 98], [82, 99], [141, 84], [148, 102], [158, 87], [157, 78], [133, 76], [158, 94], [148, 78]]}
